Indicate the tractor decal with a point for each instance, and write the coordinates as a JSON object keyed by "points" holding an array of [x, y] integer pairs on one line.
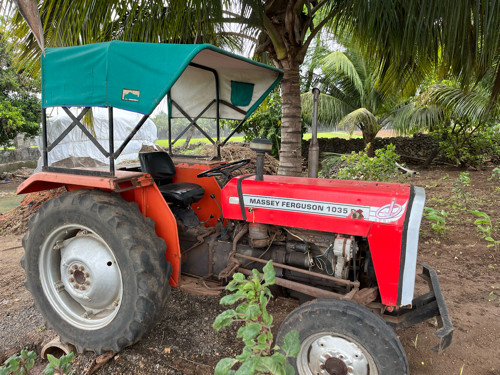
{"points": [[385, 214]]}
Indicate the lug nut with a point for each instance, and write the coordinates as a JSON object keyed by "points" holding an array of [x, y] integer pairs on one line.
{"points": [[81, 268], [71, 279], [87, 282], [76, 286], [71, 272], [82, 287], [75, 266], [87, 274]]}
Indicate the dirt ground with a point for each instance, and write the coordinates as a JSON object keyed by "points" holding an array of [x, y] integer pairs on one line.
{"points": [[184, 342]]}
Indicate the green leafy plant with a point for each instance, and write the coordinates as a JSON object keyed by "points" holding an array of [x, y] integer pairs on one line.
{"points": [[438, 219], [59, 366], [19, 363], [382, 167], [495, 174], [467, 143], [259, 355], [485, 227], [460, 193]]}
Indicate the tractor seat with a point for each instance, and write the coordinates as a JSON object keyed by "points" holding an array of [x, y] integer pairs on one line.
{"points": [[161, 167]]}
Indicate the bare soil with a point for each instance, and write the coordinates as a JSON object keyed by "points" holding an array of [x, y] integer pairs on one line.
{"points": [[185, 343]]}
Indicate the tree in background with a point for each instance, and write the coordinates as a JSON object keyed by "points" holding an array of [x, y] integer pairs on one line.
{"points": [[78, 22], [460, 37], [351, 97], [284, 30], [19, 104], [462, 118]]}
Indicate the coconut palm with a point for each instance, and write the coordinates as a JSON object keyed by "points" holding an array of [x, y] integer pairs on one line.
{"points": [[457, 36], [282, 29], [77, 22], [351, 95], [464, 117]]}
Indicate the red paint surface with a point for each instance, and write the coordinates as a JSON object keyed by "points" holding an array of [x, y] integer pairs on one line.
{"points": [[384, 238], [151, 204]]}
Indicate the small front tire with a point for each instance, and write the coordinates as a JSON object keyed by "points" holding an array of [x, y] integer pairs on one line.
{"points": [[343, 338]]}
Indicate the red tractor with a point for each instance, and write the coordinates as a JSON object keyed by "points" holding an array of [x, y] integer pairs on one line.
{"points": [[100, 259]]}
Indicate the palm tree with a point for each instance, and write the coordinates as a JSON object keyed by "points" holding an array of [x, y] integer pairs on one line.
{"points": [[462, 116], [283, 29], [457, 36], [77, 22], [351, 95]]}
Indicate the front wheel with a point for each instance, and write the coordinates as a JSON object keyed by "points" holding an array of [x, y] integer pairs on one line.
{"points": [[339, 337], [96, 270]]}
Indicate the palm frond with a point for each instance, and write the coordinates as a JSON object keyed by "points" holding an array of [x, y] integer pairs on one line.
{"points": [[331, 109], [471, 105], [360, 118], [337, 63]]}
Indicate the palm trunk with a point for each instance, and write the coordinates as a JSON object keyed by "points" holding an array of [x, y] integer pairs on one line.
{"points": [[188, 138], [291, 133], [369, 140]]}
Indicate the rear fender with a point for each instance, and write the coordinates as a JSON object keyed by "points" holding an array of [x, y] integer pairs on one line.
{"points": [[132, 186]]}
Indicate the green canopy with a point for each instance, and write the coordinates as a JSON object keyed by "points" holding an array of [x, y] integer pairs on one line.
{"points": [[137, 76]]}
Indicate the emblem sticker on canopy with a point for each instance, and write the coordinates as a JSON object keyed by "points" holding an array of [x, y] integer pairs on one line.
{"points": [[131, 95]]}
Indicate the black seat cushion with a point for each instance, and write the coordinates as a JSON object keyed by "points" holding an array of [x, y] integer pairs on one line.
{"points": [[182, 193], [161, 167]]}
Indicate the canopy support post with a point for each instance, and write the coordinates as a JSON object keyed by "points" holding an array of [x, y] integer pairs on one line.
{"points": [[111, 143], [45, 153]]}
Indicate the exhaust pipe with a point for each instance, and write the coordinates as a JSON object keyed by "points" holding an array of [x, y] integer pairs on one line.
{"points": [[313, 144]]}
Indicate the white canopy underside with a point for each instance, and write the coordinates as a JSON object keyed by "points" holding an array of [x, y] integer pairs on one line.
{"points": [[204, 88]]}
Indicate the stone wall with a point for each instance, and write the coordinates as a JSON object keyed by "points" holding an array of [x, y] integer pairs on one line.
{"points": [[11, 160], [411, 149]]}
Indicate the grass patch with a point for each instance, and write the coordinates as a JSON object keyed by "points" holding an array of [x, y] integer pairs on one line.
{"points": [[307, 136], [343, 135]]}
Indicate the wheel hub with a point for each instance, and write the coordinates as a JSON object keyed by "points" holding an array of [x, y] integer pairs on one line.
{"points": [[326, 354], [335, 366], [89, 274]]}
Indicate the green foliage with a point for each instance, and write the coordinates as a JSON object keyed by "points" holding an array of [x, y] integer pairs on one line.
{"points": [[468, 143], [495, 174], [19, 105], [460, 193], [258, 356], [381, 167], [19, 364], [265, 122], [59, 366], [485, 227], [438, 220]]}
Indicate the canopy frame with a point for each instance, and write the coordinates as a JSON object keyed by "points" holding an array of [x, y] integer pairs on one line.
{"points": [[100, 90], [218, 101], [111, 154]]}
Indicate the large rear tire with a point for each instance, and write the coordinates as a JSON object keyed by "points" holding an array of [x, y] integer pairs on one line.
{"points": [[342, 338], [96, 269]]}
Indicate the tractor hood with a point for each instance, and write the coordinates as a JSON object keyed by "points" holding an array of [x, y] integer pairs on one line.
{"points": [[387, 214]]}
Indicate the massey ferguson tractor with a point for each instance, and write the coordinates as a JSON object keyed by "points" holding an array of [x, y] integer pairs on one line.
{"points": [[101, 258]]}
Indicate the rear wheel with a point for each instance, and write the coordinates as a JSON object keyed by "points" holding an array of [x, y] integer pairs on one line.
{"points": [[339, 337], [96, 269]]}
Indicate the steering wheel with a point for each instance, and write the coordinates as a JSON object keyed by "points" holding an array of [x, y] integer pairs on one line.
{"points": [[224, 169]]}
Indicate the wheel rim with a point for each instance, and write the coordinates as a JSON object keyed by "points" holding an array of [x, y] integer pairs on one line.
{"points": [[334, 354], [80, 277]]}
